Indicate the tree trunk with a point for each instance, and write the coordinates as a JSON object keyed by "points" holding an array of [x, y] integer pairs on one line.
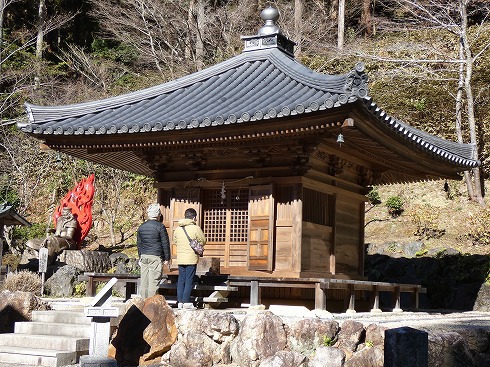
{"points": [[341, 25], [40, 41], [2, 10], [298, 17], [459, 115], [478, 193], [199, 30], [333, 10], [366, 18], [40, 29]]}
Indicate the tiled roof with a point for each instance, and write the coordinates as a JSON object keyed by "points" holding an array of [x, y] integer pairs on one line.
{"points": [[263, 82], [255, 85], [456, 153], [10, 217]]}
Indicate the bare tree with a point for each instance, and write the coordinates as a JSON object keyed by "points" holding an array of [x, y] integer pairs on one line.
{"points": [[341, 25], [451, 16], [298, 22], [366, 18]]}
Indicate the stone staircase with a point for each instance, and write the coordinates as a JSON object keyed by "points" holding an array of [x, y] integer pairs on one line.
{"points": [[53, 338]]}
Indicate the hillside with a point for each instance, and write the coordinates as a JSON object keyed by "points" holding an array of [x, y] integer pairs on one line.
{"points": [[448, 218]]}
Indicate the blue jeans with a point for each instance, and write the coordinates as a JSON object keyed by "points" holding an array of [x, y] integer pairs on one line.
{"points": [[184, 282]]}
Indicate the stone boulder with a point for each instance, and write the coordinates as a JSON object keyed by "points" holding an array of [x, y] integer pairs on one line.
{"points": [[327, 356], [306, 335], [86, 260], [204, 338], [367, 357], [285, 359], [18, 306], [146, 331], [262, 334], [350, 336], [375, 335], [449, 349], [62, 282], [482, 302]]}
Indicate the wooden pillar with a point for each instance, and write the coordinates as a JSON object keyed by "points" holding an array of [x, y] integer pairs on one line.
{"points": [[254, 293], [352, 300], [375, 299], [397, 300], [320, 296]]}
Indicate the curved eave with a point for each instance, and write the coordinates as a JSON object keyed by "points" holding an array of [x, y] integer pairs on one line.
{"points": [[457, 154], [255, 85]]}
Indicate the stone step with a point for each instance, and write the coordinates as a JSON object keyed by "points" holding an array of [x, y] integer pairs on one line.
{"points": [[56, 342], [45, 328], [37, 357], [62, 316]]}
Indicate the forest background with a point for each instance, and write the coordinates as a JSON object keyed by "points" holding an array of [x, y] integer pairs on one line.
{"points": [[428, 62]]}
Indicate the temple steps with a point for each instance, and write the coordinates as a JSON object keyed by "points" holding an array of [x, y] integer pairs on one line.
{"points": [[53, 338]]}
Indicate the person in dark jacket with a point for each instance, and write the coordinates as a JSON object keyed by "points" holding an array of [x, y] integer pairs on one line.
{"points": [[153, 249]]}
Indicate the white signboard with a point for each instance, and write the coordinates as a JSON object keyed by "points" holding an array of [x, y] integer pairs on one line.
{"points": [[43, 259]]}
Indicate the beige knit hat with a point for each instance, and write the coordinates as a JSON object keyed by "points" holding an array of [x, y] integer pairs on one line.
{"points": [[153, 211]]}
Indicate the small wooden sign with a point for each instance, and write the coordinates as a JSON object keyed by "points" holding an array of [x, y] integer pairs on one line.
{"points": [[43, 259]]}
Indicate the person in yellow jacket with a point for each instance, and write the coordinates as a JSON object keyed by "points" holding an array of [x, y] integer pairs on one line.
{"points": [[187, 259]]}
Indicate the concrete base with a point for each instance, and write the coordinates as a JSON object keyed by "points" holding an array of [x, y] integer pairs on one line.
{"points": [[97, 361]]}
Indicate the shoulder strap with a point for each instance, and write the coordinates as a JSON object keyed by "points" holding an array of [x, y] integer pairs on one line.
{"points": [[183, 227]]}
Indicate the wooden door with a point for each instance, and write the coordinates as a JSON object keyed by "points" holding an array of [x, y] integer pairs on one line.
{"points": [[261, 221], [183, 199]]}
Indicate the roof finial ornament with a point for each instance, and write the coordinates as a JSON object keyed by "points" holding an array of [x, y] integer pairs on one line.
{"points": [[270, 15]]}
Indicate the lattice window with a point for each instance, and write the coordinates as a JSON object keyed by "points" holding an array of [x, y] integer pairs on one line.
{"points": [[239, 216], [222, 213]]}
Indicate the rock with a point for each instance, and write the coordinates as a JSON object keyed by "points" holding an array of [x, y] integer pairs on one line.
{"points": [[18, 306], [375, 334], [209, 332], [146, 331], [262, 334], [193, 349], [86, 260], [482, 302], [118, 258], [367, 357], [327, 356], [449, 350], [306, 335], [285, 359], [349, 337], [412, 249], [62, 282]]}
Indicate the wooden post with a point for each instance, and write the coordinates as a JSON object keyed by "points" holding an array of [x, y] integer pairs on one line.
{"points": [[352, 300], [397, 300], [375, 299], [254, 293], [320, 296]]}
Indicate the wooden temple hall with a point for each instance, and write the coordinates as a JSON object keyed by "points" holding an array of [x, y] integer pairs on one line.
{"points": [[275, 157]]}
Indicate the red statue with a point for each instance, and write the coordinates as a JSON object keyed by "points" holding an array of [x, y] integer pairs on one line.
{"points": [[80, 201]]}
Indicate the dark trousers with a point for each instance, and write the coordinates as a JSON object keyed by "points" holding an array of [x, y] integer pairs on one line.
{"points": [[184, 282]]}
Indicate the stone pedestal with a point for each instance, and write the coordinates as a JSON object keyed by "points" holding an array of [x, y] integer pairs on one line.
{"points": [[97, 361], [406, 347]]}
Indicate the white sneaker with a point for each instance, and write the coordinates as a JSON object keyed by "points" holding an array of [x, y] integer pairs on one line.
{"points": [[180, 305], [189, 306]]}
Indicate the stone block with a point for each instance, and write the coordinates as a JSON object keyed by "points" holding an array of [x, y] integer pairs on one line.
{"points": [[406, 346], [96, 361]]}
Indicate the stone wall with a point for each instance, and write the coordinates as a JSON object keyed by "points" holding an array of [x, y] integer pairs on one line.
{"points": [[260, 338]]}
